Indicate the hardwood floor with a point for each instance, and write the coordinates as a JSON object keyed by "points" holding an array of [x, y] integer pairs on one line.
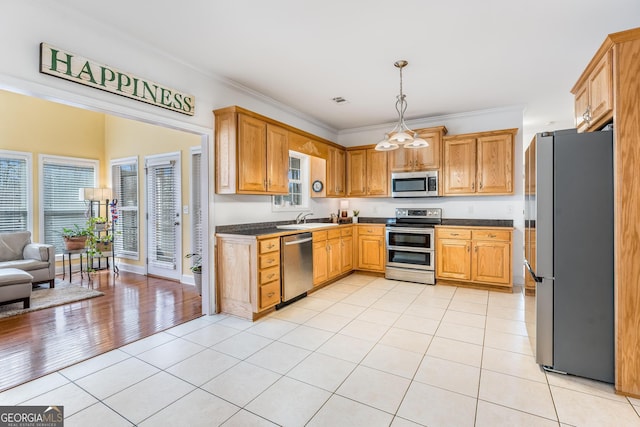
{"points": [[133, 307]]}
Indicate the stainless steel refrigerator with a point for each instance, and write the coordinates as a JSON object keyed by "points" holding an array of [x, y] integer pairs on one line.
{"points": [[569, 250]]}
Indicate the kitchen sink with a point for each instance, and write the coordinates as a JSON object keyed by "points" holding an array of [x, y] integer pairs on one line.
{"points": [[307, 226]]}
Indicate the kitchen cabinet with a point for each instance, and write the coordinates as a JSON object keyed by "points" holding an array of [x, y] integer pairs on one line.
{"points": [[475, 255], [593, 105], [248, 274], [336, 164], [263, 157], [419, 159], [370, 247], [479, 163], [367, 173], [252, 155], [332, 254]]}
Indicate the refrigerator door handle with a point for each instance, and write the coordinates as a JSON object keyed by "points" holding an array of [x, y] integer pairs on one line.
{"points": [[533, 275]]}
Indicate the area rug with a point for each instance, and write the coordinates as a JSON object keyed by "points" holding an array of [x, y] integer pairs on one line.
{"points": [[43, 297]]}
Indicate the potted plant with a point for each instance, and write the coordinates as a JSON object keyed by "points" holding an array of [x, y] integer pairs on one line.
{"points": [[75, 237], [356, 212], [196, 269], [99, 239]]}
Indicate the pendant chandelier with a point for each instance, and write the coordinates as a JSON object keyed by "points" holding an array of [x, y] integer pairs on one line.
{"points": [[401, 135]]}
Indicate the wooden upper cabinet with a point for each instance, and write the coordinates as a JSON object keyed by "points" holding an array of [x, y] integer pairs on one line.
{"points": [[356, 173], [277, 159], [377, 173], [594, 93], [479, 163], [459, 166], [336, 172], [419, 159], [495, 163], [367, 173], [252, 152]]}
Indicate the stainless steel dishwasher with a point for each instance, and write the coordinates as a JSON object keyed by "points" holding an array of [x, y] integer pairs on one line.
{"points": [[297, 267]]}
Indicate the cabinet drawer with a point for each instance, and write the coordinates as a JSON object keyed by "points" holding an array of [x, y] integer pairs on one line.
{"points": [[347, 231], [269, 245], [453, 233], [269, 274], [319, 236], [270, 260], [333, 234], [269, 294], [503, 235], [370, 230]]}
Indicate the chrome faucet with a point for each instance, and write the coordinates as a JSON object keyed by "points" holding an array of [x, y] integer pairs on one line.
{"points": [[303, 217]]}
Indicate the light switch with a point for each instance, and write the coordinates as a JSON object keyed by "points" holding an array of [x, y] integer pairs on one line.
{"points": [[185, 209]]}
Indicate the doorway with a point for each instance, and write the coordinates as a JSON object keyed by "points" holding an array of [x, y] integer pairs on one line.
{"points": [[164, 231]]}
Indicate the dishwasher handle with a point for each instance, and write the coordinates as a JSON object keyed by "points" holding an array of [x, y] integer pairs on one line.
{"points": [[297, 242]]}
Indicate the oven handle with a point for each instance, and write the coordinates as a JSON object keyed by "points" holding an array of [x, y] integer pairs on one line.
{"points": [[425, 230], [408, 249]]}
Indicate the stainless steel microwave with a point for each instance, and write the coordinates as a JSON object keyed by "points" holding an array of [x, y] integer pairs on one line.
{"points": [[414, 184]]}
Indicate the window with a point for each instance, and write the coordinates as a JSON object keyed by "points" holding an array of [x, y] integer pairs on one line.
{"points": [[298, 197], [61, 180], [196, 201], [124, 177], [15, 191]]}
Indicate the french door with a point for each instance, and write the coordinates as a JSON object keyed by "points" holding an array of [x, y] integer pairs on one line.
{"points": [[164, 229]]}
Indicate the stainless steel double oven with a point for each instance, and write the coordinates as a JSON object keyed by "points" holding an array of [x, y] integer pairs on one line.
{"points": [[411, 245]]}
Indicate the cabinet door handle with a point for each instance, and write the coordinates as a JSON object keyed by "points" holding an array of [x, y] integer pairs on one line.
{"points": [[475, 249], [271, 275], [473, 185], [455, 234], [468, 249], [481, 185], [271, 246], [492, 235], [271, 261], [265, 184], [270, 294]]}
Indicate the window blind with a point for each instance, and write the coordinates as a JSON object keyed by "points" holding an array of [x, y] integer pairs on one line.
{"points": [[196, 203], [14, 194], [60, 205], [125, 190], [161, 182]]}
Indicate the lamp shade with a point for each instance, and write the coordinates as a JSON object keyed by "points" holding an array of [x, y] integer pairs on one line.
{"points": [[95, 194]]}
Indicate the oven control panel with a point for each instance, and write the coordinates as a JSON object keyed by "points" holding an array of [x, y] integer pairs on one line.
{"points": [[435, 213]]}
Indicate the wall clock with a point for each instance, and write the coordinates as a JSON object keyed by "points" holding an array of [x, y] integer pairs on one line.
{"points": [[317, 186]]}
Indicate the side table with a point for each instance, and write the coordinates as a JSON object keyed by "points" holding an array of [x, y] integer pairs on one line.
{"points": [[69, 252]]}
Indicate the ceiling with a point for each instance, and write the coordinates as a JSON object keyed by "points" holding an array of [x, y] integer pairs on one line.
{"points": [[464, 55]]}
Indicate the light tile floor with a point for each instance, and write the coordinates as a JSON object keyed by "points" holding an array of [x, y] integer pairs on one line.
{"points": [[364, 351]]}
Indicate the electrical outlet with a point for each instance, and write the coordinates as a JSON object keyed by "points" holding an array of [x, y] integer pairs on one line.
{"points": [[185, 209]]}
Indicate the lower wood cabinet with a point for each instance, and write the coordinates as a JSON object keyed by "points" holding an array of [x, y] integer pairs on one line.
{"points": [[370, 247], [332, 254], [248, 274], [477, 255]]}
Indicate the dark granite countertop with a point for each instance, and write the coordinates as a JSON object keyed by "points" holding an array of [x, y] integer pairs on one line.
{"points": [[264, 228], [469, 222]]}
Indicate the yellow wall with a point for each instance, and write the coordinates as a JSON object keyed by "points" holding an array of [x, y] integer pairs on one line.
{"points": [[37, 126], [128, 138]]}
